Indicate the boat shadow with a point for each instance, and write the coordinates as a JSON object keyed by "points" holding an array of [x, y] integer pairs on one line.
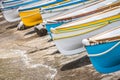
{"points": [[55, 52], [12, 26], [29, 33], [76, 63]]}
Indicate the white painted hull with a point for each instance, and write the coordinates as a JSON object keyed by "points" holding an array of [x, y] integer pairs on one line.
{"points": [[56, 12], [48, 15], [104, 37], [10, 16], [91, 18], [13, 17], [82, 10], [37, 4], [71, 6], [107, 34], [13, 3], [73, 45]]}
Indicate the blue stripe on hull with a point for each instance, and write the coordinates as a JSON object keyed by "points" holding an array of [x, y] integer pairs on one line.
{"points": [[41, 5], [52, 25], [5, 2], [12, 3], [18, 5], [67, 4]]}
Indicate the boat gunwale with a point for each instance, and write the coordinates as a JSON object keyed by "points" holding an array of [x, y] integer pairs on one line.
{"points": [[56, 30], [106, 23], [92, 12]]}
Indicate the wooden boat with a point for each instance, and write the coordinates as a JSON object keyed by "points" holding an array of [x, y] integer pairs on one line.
{"points": [[104, 50], [27, 20], [39, 5], [46, 14], [14, 8], [18, 4], [7, 1], [32, 7], [8, 11], [13, 4], [51, 12], [80, 12], [10, 1], [67, 4], [68, 37], [89, 9], [34, 17]]}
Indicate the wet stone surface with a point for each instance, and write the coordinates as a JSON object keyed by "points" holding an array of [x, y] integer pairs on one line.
{"points": [[26, 56]]}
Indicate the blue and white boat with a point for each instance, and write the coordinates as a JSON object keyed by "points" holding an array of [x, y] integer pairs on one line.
{"points": [[77, 13], [39, 5], [72, 2], [5, 7], [58, 10], [8, 10], [68, 37], [51, 9], [104, 50], [11, 3], [45, 13]]}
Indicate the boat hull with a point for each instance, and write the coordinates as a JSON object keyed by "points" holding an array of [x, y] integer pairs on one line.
{"points": [[76, 12], [6, 4], [73, 45], [13, 18], [107, 62], [52, 25], [8, 12], [10, 16], [44, 15], [31, 18]]}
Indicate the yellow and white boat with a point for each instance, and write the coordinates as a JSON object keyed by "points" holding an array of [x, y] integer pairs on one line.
{"points": [[77, 13], [10, 12], [27, 19], [85, 10], [36, 9], [68, 37]]}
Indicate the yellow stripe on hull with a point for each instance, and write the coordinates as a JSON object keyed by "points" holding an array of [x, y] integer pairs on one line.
{"points": [[31, 17], [59, 3], [94, 25], [82, 26]]}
